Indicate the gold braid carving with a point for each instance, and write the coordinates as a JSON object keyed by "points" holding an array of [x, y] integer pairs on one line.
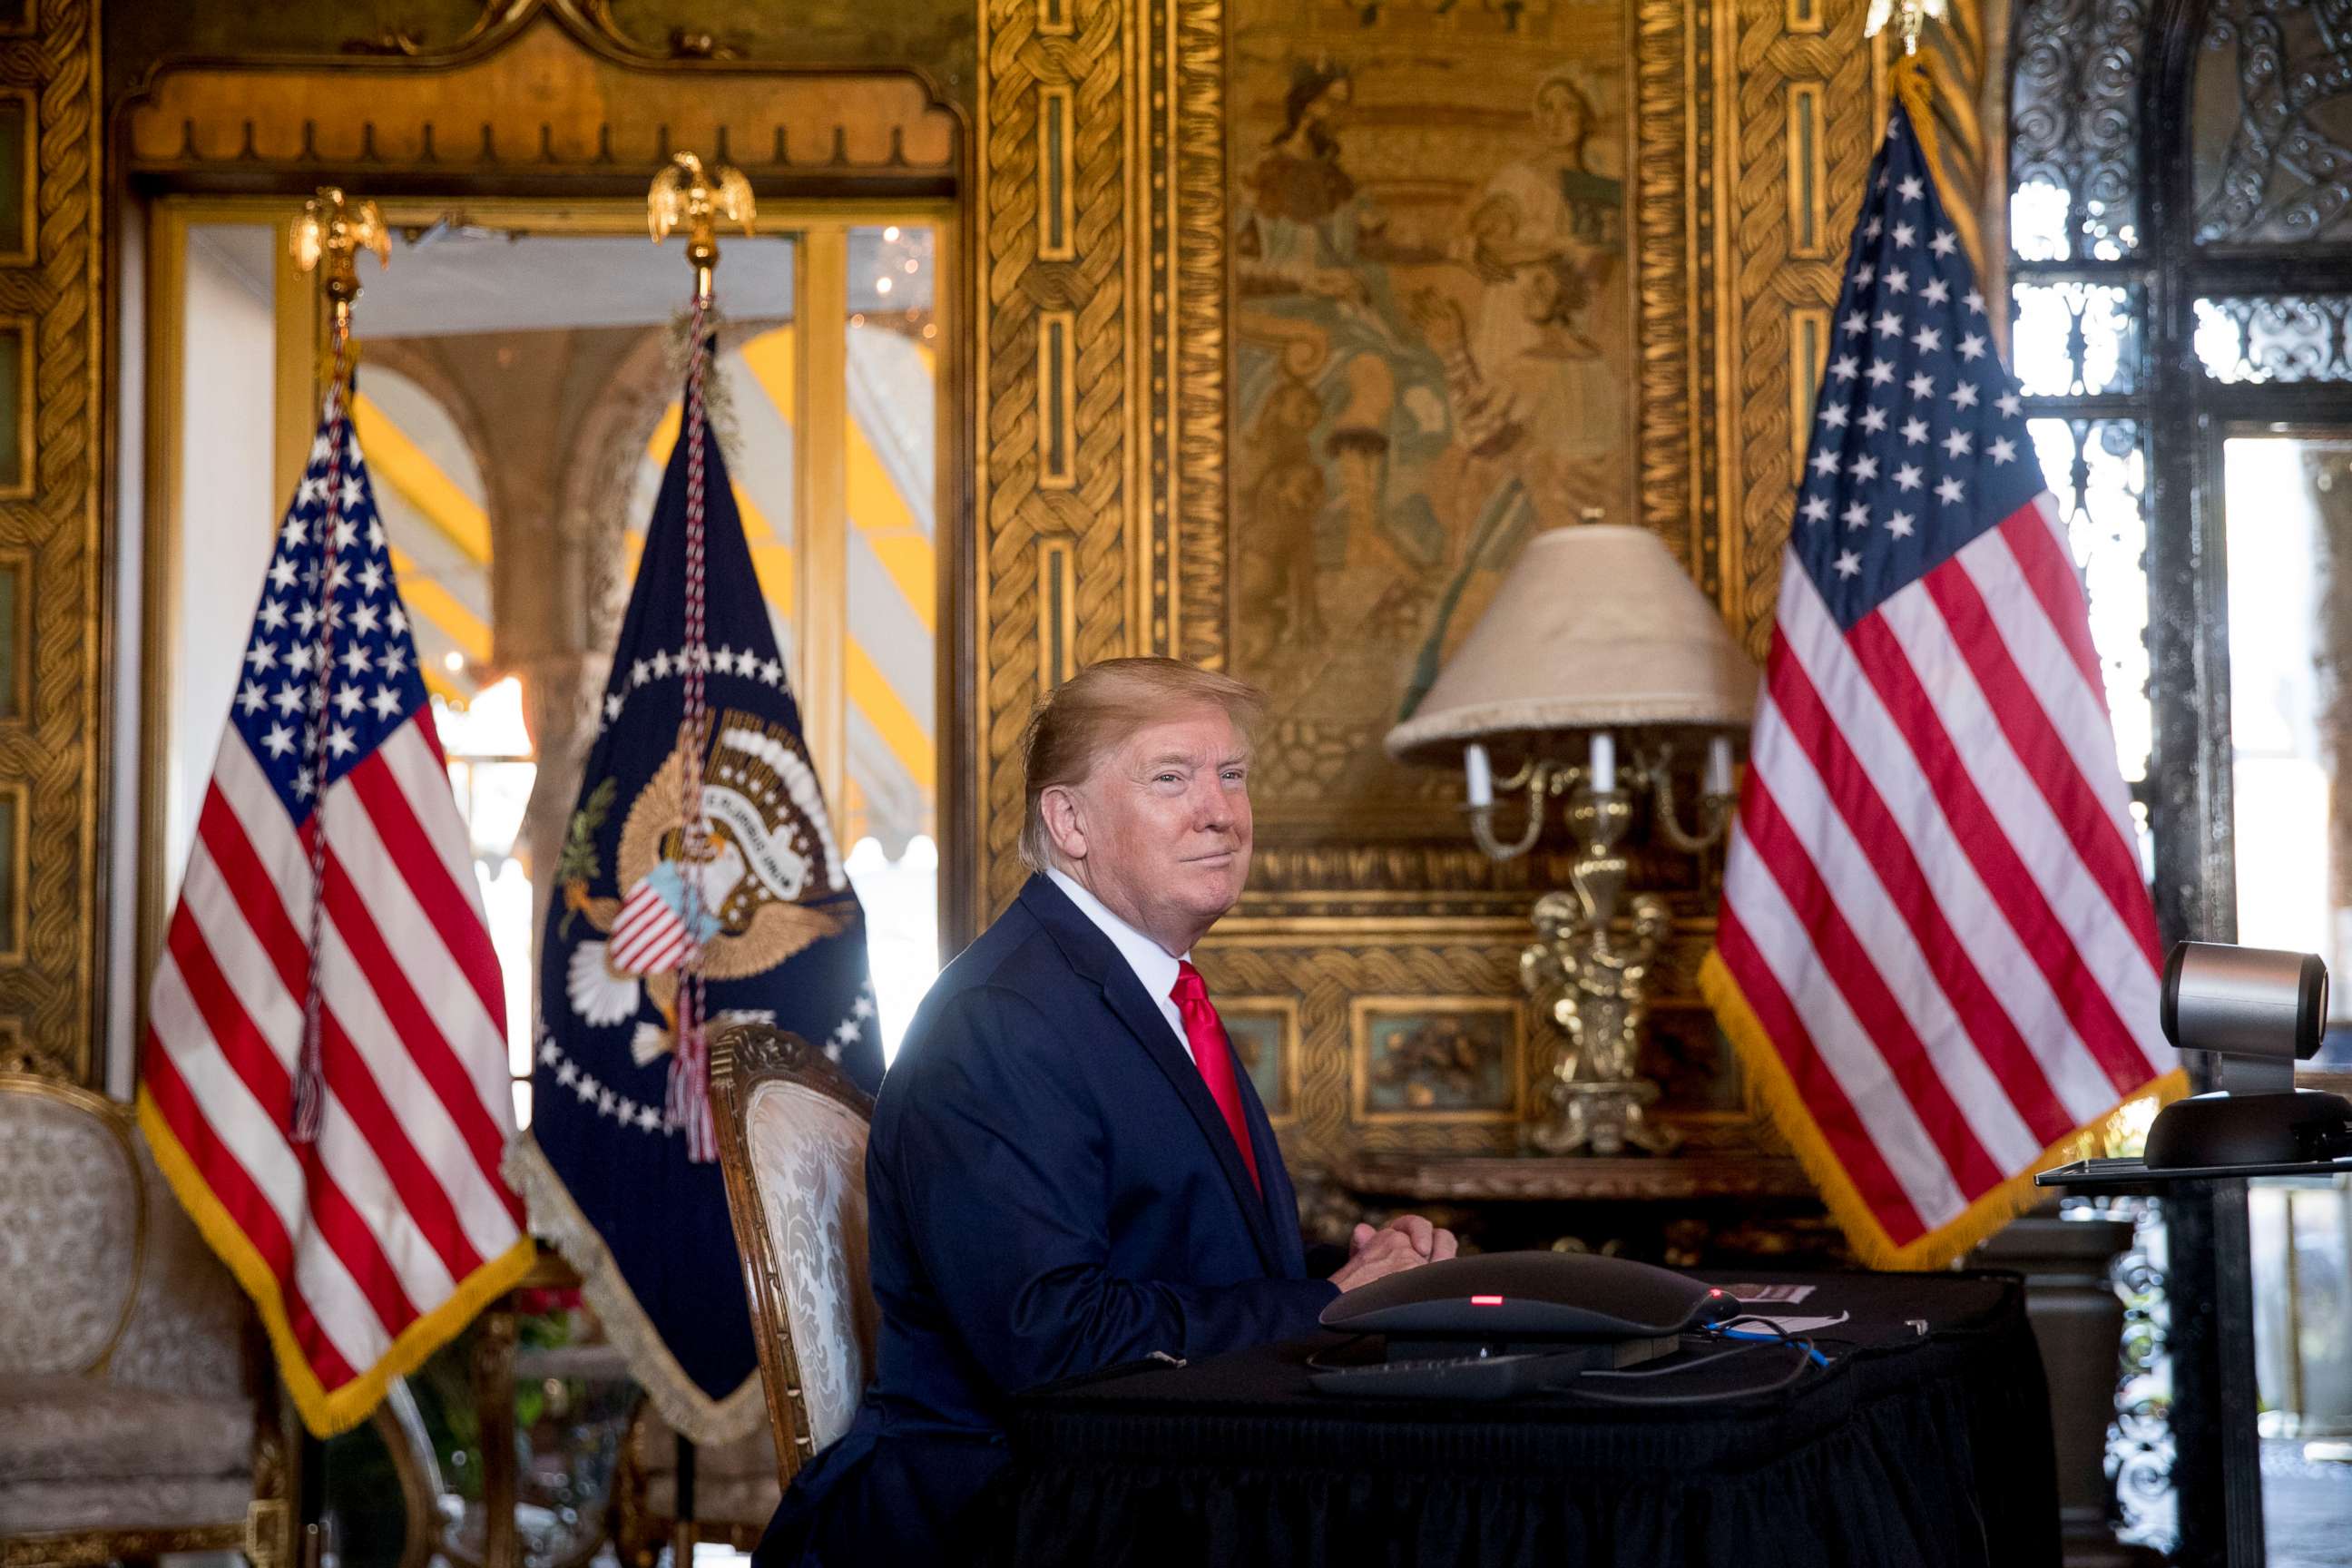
{"points": [[56, 748], [1759, 473], [1665, 211], [1198, 373]]}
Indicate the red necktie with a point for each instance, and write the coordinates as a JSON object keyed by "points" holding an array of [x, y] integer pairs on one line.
{"points": [[1214, 1056]]}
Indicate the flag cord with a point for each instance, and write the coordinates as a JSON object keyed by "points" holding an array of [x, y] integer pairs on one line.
{"points": [[689, 1070], [309, 1082]]}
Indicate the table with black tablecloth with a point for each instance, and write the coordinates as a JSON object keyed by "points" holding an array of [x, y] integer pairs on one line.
{"points": [[1925, 1441]]}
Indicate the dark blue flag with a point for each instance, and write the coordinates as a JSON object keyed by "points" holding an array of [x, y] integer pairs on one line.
{"points": [[605, 1165]]}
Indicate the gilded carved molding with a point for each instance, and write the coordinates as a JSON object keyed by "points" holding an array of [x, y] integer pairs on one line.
{"points": [[1190, 516], [1764, 284], [55, 754], [1024, 387], [1674, 262], [491, 115]]}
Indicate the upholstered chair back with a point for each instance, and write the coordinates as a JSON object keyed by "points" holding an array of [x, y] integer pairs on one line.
{"points": [[132, 1405], [792, 1139], [73, 1226]]}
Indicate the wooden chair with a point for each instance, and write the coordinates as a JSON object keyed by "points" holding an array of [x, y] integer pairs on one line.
{"points": [[791, 1143], [137, 1415]]}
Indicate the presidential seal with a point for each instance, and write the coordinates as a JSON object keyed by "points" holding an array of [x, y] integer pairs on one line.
{"points": [[768, 882]]}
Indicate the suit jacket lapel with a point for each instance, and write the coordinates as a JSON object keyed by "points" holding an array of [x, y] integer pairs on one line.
{"points": [[1092, 955], [1281, 1202]]}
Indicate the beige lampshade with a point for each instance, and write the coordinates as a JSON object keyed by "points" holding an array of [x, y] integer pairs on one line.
{"points": [[1594, 626]]}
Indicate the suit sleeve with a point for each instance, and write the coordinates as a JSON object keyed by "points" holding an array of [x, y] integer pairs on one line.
{"points": [[1005, 1191]]}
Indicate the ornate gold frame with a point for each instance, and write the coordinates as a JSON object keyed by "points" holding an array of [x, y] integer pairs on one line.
{"points": [[1363, 1011], [743, 1059], [1284, 1011], [17, 696], [818, 622], [26, 180]]}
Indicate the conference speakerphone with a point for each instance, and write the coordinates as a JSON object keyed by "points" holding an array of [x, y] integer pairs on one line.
{"points": [[1514, 1323]]}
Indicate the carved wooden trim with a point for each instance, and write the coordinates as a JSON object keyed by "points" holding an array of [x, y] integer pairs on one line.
{"points": [[589, 25], [58, 755], [742, 1058], [486, 115], [1509, 1179], [96, 1548], [1764, 278], [1018, 503]]}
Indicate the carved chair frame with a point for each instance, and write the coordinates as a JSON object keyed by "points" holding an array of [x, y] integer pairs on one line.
{"points": [[743, 1059], [260, 1535]]}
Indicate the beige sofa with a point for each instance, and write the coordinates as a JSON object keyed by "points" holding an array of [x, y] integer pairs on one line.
{"points": [[135, 1416]]}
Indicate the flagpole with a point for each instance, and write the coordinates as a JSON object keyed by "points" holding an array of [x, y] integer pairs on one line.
{"points": [[688, 194], [327, 239]]}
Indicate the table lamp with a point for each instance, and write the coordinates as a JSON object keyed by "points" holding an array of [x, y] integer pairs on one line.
{"points": [[1596, 638]]}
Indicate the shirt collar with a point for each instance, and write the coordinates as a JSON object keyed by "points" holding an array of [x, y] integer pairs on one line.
{"points": [[1151, 961]]}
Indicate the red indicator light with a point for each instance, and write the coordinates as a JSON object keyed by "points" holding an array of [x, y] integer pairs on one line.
{"points": [[1486, 1300]]}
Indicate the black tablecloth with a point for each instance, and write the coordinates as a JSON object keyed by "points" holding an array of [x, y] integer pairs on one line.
{"points": [[1926, 1441]]}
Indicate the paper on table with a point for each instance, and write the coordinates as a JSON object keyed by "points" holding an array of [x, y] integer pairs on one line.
{"points": [[1790, 1325], [1769, 1292]]}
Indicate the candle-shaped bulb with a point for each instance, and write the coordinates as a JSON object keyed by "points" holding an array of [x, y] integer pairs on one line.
{"points": [[1718, 765], [1604, 761], [1478, 775]]}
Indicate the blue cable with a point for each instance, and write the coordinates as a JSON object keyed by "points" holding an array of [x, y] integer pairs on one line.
{"points": [[1804, 1345]]}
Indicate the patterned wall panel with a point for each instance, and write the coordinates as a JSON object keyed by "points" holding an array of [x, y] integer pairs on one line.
{"points": [[1771, 277], [51, 752], [1054, 412]]}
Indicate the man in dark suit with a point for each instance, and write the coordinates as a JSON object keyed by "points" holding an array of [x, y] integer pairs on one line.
{"points": [[1066, 1170]]}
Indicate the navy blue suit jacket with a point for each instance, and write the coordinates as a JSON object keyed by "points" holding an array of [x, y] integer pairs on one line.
{"points": [[1051, 1191]]}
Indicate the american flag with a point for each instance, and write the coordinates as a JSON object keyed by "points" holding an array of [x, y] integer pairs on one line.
{"points": [[368, 1245], [1936, 953]]}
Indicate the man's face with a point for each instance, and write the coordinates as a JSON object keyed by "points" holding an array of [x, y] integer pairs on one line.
{"points": [[1165, 820]]}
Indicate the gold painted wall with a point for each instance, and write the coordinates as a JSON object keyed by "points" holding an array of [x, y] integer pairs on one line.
{"points": [[1237, 440], [53, 647]]}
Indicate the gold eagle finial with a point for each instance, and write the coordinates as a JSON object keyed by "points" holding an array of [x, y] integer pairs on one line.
{"points": [[333, 229], [687, 194]]}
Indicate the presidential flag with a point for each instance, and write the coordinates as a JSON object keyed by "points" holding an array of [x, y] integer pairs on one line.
{"points": [[1937, 954], [664, 925], [324, 1079]]}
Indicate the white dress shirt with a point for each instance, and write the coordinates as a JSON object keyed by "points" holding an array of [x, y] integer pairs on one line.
{"points": [[1151, 961]]}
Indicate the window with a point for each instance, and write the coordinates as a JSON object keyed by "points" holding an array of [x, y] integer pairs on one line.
{"points": [[2183, 321]]}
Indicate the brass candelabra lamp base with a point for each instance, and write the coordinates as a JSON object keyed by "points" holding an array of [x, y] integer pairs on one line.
{"points": [[1592, 978], [1599, 1119]]}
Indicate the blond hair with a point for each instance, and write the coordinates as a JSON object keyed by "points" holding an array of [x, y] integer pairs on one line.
{"points": [[1083, 719]]}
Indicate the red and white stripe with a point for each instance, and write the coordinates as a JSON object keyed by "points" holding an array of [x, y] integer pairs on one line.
{"points": [[1932, 903], [648, 936], [399, 1201]]}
